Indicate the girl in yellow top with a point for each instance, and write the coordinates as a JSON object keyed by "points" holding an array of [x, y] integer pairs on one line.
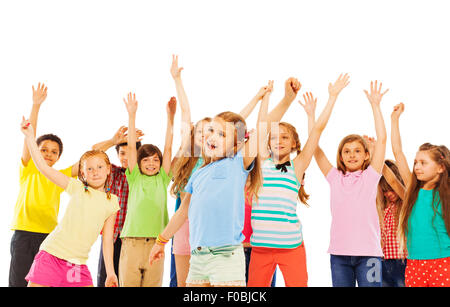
{"points": [[62, 259]]}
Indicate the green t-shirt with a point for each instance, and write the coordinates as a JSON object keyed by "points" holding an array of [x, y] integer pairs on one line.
{"points": [[427, 236], [147, 214]]}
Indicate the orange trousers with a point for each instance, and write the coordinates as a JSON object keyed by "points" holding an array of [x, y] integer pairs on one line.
{"points": [[292, 263]]}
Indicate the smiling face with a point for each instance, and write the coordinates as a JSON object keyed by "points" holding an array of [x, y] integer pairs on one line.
{"points": [[95, 171], [425, 168], [150, 165], [281, 142], [49, 151], [219, 139], [353, 155], [122, 154]]}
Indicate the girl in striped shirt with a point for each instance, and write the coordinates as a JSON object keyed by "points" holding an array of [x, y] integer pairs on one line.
{"points": [[277, 231]]}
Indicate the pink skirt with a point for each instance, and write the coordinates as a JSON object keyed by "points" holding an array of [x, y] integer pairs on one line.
{"points": [[48, 270], [181, 241]]}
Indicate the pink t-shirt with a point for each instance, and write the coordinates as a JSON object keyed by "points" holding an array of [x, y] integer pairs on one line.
{"points": [[355, 227]]}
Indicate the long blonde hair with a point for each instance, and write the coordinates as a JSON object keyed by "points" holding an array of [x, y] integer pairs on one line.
{"points": [[90, 154], [302, 196], [240, 134]]}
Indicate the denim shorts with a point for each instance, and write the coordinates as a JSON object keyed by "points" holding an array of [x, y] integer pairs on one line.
{"points": [[218, 266]]}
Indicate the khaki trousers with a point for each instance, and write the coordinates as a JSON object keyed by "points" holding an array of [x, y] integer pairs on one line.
{"points": [[134, 266]]}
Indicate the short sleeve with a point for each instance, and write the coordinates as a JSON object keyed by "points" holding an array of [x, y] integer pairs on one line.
{"points": [[26, 170], [238, 158], [189, 188], [68, 172], [165, 177], [333, 174], [131, 176], [74, 186], [371, 175], [115, 203]]}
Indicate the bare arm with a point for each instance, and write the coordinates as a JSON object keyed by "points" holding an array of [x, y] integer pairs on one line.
{"points": [[53, 175], [292, 86], [167, 155], [303, 159], [108, 251], [396, 143], [379, 151], [248, 109], [131, 105], [39, 96]]}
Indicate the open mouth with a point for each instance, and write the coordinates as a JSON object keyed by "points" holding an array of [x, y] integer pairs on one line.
{"points": [[210, 146]]}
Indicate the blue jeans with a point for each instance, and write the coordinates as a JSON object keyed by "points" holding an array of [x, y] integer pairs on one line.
{"points": [[347, 270], [394, 272], [248, 253]]}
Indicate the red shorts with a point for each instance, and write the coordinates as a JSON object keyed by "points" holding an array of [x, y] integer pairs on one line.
{"points": [[428, 273]]}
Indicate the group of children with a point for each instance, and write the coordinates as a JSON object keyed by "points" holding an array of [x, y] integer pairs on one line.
{"points": [[236, 211]]}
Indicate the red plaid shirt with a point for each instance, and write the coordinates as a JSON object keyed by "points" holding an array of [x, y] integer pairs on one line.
{"points": [[119, 187], [391, 246]]}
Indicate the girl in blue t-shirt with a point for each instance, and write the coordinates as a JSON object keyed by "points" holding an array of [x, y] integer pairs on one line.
{"points": [[424, 225], [214, 202]]}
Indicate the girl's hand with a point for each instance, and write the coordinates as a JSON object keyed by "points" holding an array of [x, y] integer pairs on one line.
{"points": [[175, 71], [156, 253], [171, 107], [27, 128], [131, 103], [339, 85], [265, 90], [121, 135], [375, 94], [291, 88], [370, 143], [310, 104], [111, 281], [398, 110], [39, 94]]}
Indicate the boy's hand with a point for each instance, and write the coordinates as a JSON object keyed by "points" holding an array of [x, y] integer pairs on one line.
{"points": [[291, 88], [339, 85], [39, 94], [175, 71], [375, 94], [27, 128], [156, 253], [121, 136], [131, 103], [310, 103], [171, 107], [398, 110]]}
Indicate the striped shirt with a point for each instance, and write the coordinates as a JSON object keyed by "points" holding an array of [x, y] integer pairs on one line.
{"points": [[274, 215]]}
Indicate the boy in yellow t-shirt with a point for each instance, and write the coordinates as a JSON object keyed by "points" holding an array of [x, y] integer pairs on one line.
{"points": [[37, 206]]}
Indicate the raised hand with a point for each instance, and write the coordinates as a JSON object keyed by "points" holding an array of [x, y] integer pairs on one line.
{"points": [[121, 135], [175, 71], [375, 94], [341, 82], [26, 128], [264, 90], [398, 110], [131, 103], [291, 88], [39, 94], [370, 143], [310, 103], [171, 107]]}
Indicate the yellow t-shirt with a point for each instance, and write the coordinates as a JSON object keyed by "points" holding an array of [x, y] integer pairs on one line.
{"points": [[82, 223], [37, 205]]}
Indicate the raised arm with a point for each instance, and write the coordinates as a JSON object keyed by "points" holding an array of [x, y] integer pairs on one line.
{"points": [[379, 151], [131, 104], [301, 162], [175, 71], [396, 143], [262, 122], [248, 109], [39, 96], [53, 175], [167, 155], [291, 88], [119, 137]]}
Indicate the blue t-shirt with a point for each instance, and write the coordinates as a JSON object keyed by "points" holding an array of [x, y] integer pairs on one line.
{"points": [[217, 207], [196, 167], [427, 236]]}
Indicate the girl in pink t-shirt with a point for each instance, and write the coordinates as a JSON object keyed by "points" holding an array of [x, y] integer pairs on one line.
{"points": [[355, 246]]}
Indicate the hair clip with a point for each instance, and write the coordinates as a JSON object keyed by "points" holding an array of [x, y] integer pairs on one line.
{"points": [[86, 187]]}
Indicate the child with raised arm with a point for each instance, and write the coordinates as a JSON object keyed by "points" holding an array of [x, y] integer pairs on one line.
{"points": [[37, 206], [148, 176], [424, 226], [214, 203], [188, 161], [277, 232], [119, 186], [61, 261], [355, 246]]}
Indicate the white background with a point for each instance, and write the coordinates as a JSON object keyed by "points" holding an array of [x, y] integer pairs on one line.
{"points": [[90, 54]]}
